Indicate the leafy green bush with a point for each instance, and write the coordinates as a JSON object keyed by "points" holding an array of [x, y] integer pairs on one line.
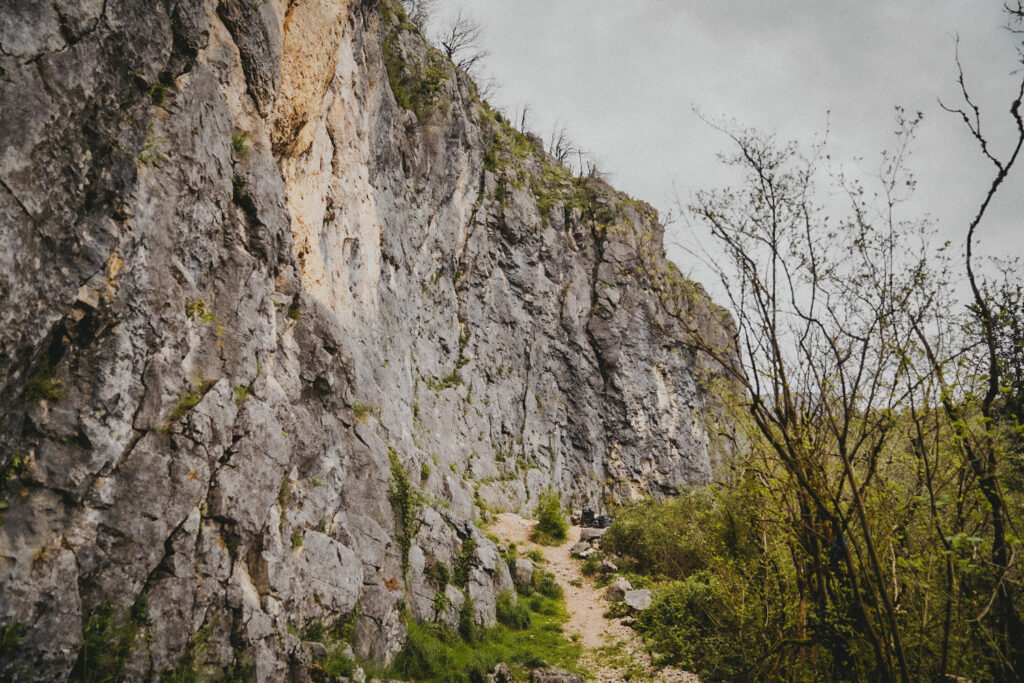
{"points": [[685, 624], [678, 537], [551, 524], [511, 612], [546, 584], [468, 628]]}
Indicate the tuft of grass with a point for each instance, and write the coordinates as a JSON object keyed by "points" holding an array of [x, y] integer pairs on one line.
{"points": [[512, 612], [297, 539], [551, 524], [189, 400], [241, 393], [294, 311], [284, 494], [360, 411], [108, 638], [45, 385], [158, 93], [591, 565], [240, 143]]}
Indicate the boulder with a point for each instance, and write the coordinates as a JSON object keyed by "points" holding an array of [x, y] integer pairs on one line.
{"points": [[578, 549], [500, 674], [554, 676], [608, 567], [638, 600], [523, 574], [591, 535], [618, 589]]}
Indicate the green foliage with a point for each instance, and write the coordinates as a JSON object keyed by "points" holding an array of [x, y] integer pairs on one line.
{"points": [[284, 493], [158, 93], [511, 612], [196, 309], [438, 573], [546, 584], [416, 82], [468, 628], [336, 662], [296, 538], [678, 537], [10, 640], [294, 311], [241, 393], [108, 638], [187, 400], [405, 503], [45, 385], [437, 653], [685, 624], [591, 565], [463, 562], [551, 524], [360, 411], [240, 143]]}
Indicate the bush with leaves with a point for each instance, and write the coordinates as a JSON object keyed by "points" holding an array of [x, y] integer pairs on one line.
{"points": [[551, 524]]}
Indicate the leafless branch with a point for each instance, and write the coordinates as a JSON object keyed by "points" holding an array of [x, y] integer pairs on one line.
{"points": [[460, 40]]}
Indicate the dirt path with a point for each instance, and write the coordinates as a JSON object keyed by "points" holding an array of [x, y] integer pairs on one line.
{"points": [[611, 650]]}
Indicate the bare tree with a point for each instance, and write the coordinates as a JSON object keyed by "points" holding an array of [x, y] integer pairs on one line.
{"points": [[460, 38], [419, 11], [980, 446], [560, 146]]}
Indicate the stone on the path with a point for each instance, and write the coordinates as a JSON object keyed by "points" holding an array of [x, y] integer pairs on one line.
{"points": [[578, 549], [638, 600], [618, 589], [523, 574], [591, 535], [608, 567], [554, 676]]}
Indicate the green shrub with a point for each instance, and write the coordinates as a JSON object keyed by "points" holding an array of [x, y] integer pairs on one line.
{"points": [[551, 524], [678, 537], [405, 503], [591, 565], [546, 584], [108, 638], [511, 612], [240, 143], [688, 625], [467, 620], [463, 562]]}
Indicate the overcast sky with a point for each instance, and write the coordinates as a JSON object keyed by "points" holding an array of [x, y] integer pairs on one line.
{"points": [[623, 76]]}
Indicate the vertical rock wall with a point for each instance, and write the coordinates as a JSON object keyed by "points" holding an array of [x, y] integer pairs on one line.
{"points": [[260, 262]]}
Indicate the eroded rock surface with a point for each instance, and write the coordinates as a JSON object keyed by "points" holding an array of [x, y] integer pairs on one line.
{"points": [[260, 264]]}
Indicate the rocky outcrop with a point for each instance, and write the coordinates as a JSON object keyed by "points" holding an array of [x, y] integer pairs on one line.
{"points": [[285, 306]]}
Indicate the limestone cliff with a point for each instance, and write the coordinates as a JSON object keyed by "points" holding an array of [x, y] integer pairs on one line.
{"points": [[284, 308]]}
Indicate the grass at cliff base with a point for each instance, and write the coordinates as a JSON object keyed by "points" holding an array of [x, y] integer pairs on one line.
{"points": [[438, 653]]}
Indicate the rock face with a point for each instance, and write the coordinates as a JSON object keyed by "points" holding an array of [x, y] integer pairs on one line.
{"points": [[283, 306]]}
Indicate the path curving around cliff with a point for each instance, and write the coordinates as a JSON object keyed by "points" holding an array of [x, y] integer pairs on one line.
{"points": [[612, 652]]}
